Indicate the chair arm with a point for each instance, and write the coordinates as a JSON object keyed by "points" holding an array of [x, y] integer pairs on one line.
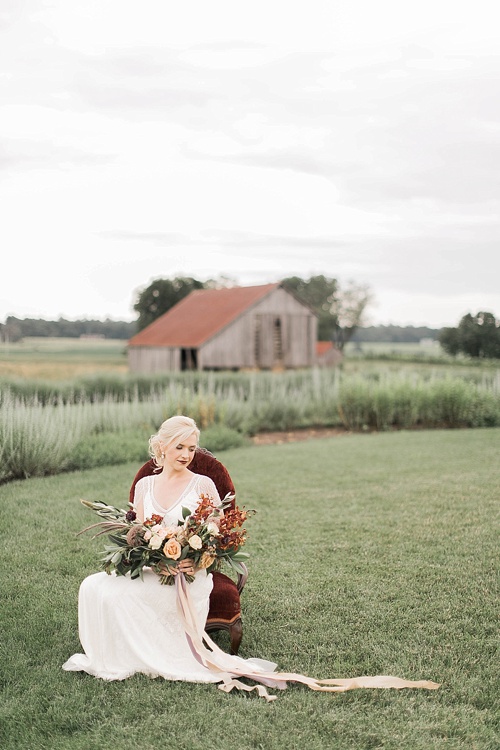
{"points": [[242, 578]]}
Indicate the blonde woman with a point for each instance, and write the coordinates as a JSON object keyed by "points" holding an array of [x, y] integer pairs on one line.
{"points": [[131, 626]]}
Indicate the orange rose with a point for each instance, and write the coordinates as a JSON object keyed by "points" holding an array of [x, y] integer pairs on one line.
{"points": [[172, 549]]}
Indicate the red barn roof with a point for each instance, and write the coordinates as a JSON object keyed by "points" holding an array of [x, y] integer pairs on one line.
{"points": [[199, 316]]}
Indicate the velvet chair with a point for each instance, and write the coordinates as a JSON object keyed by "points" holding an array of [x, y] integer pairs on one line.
{"points": [[225, 608]]}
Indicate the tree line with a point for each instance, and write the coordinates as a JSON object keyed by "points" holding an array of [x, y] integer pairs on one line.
{"points": [[15, 329]]}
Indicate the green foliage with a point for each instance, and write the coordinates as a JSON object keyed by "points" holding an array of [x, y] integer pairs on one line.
{"points": [[162, 294], [395, 573], [36, 440], [340, 310], [108, 449], [441, 402], [476, 336], [218, 437]]}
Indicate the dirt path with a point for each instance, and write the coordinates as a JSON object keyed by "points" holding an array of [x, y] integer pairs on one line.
{"points": [[294, 436]]}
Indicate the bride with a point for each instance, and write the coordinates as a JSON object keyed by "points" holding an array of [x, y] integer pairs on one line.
{"points": [[128, 626]]}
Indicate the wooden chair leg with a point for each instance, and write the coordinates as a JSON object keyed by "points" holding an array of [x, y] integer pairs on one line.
{"points": [[235, 635]]}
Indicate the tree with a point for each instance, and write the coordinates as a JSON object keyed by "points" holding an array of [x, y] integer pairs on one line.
{"points": [[476, 336], [348, 309], [340, 311], [449, 339], [162, 294], [221, 282]]}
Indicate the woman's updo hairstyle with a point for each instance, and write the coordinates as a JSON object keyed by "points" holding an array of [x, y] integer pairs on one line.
{"points": [[176, 429]]}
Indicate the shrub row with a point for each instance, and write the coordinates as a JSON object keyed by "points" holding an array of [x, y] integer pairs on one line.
{"points": [[42, 436], [128, 387]]}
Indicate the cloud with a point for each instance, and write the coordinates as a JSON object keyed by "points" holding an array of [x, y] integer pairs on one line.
{"points": [[394, 131], [223, 238], [21, 154]]}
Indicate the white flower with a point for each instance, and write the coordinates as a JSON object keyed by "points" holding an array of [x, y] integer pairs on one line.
{"points": [[212, 529], [155, 541], [195, 542]]}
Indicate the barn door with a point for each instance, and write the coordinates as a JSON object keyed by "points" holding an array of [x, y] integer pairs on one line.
{"points": [[268, 340], [189, 359]]}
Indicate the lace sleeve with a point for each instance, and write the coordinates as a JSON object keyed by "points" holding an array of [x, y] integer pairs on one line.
{"points": [[139, 495], [207, 487]]}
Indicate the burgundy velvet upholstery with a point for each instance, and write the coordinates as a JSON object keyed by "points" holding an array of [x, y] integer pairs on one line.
{"points": [[225, 608], [224, 600]]}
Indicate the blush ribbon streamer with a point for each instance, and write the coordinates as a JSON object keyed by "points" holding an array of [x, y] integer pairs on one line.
{"points": [[229, 667]]}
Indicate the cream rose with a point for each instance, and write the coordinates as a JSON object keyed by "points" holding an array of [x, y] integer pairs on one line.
{"points": [[155, 541], [195, 542], [172, 549]]}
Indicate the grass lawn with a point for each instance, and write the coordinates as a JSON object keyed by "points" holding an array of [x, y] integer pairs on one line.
{"points": [[371, 554]]}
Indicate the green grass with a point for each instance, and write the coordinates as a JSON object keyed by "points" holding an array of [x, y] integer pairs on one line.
{"points": [[370, 554]]}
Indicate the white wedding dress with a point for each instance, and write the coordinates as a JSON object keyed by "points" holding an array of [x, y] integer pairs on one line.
{"points": [[128, 626]]}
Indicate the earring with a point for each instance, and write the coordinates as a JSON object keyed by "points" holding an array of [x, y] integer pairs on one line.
{"points": [[162, 455]]}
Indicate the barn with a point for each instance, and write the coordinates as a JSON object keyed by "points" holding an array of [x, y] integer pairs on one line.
{"points": [[254, 327]]}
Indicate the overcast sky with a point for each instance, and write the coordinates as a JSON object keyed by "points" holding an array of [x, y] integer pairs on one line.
{"points": [[152, 138]]}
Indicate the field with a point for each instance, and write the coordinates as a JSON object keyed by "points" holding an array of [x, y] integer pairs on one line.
{"points": [[61, 359], [370, 554]]}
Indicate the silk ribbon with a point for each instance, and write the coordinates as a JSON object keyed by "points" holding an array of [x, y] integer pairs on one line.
{"points": [[229, 667]]}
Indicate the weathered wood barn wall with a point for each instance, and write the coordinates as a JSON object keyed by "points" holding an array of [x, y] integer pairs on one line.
{"points": [[262, 327], [279, 331]]}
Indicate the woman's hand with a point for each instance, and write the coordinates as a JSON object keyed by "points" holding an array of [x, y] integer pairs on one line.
{"points": [[185, 566]]}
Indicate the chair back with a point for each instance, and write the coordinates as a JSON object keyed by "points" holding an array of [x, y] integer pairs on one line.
{"points": [[204, 463]]}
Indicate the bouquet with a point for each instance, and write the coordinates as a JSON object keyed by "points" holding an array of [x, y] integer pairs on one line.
{"points": [[211, 535]]}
